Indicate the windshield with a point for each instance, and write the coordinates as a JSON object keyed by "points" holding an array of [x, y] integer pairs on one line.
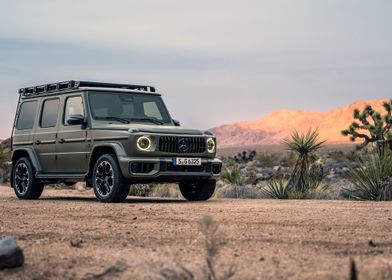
{"points": [[128, 107]]}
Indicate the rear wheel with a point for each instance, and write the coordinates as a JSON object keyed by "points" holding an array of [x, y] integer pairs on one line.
{"points": [[197, 191], [108, 182], [23, 180]]}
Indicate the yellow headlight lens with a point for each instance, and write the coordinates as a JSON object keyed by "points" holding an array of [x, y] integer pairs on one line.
{"points": [[211, 145], [144, 143]]}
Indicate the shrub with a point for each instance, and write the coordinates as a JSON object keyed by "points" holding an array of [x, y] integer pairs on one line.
{"points": [[232, 175], [266, 160], [372, 180], [213, 242], [276, 188], [242, 192], [140, 190], [164, 190], [245, 156]]}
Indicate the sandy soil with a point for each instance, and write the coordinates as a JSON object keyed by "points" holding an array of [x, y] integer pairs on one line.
{"points": [[69, 235]]}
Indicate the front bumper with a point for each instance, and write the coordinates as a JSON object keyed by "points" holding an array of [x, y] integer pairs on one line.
{"points": [[161, 169]]}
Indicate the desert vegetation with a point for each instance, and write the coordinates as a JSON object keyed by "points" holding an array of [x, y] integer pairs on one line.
{"points": [[302, 168]]}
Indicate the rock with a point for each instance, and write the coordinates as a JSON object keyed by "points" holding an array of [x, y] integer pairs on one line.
{"points": [[77, 243], [11, 255], [277, 168]]}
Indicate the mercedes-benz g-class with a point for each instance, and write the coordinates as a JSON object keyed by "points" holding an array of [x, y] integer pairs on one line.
{"points": [[110, 136]]}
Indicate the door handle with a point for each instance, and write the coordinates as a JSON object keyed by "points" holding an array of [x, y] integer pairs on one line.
{"points": [[37, 142], [62, 141]]}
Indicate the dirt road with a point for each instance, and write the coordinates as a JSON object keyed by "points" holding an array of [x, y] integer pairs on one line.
{"points": [[69, 235]]}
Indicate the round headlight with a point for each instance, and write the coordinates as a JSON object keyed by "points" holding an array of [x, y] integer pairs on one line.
{"points": [[144, 143], [211, 145]]}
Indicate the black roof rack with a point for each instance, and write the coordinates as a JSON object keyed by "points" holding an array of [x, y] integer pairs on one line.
{"points": [[68, 85]]}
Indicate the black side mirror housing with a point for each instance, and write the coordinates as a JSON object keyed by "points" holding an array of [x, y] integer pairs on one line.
{"points": [[176, 123], [75, 120]]}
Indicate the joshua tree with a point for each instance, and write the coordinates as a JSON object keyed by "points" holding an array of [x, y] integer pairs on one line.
{"points": [[305, 145], [372, 127], [245, 157]]}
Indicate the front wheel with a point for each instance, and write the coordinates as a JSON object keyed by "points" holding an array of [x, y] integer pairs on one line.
{"points": [[197, 191], [108, 182], [23, 180]]}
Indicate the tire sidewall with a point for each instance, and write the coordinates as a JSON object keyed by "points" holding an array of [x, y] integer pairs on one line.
{"points": [[204, 190], [26, 195], [117, 182]]}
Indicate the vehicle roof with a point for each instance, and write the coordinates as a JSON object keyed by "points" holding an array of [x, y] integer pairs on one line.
{"points": [[77, 86]]}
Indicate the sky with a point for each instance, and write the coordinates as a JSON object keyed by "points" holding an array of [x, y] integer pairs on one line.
{"points": [[215, 62]]}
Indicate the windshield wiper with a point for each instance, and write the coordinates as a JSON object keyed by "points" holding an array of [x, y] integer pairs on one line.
{"points": [[117, 119], [148, 119]]}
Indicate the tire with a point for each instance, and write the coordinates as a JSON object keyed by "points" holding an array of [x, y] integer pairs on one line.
{"points": [[108, 182], [198, 191], [23, 180]]}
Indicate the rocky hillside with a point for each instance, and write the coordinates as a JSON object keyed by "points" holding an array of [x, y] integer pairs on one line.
{"points": [[278, 125]]}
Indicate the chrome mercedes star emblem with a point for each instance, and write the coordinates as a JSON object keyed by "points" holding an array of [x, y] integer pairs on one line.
{"points": [[182, 145]]}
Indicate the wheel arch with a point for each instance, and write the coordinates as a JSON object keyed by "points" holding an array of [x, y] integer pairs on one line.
{"points": [[101, 149], [26, 152]]}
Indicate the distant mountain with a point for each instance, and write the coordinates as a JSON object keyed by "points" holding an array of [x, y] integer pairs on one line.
{"points": [[273, 128]]}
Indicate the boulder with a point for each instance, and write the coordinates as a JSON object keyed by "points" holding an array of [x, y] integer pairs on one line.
{"points": [[11, 255]]}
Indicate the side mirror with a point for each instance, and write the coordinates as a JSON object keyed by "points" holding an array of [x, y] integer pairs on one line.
{"points": [[176, 123], [75, 119]]}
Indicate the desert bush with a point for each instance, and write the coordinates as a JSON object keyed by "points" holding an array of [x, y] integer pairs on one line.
{"points": [[140, 190], [164, 190], [343, 156], [372, 180], [232, 175], [276, 188], [213, 243], [245, 156], [305, 146], [267, 160], [241, 192], [4, 170]]}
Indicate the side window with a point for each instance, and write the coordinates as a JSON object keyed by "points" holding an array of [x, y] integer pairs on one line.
{"points": [[27, 115], [50, 110], [73, 106], [151, 110]]}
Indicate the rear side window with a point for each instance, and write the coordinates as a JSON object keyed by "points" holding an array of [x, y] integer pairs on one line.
{"points": [[27, 115], [50, 110], [73, 106]]}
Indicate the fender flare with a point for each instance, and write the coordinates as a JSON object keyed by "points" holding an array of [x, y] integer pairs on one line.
{"points": [[115, 146], [31, 154]]}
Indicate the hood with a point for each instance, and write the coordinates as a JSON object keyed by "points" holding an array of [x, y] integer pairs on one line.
{"points": [[151, 129]]}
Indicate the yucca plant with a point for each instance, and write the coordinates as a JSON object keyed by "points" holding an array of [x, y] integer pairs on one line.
{"points": [[304, 145], [276, 189], [233, 176], [372, 180]]}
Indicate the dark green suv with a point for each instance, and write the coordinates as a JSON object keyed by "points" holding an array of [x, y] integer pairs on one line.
{"points": [[109, 135]]}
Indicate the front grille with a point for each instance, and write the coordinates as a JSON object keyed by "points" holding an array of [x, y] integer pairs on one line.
{"points": [[182, 145]]}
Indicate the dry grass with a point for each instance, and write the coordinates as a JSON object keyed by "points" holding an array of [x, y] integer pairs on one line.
{"points": [[213, 243]]}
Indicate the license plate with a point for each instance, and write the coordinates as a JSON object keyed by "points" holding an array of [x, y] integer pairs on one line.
{"points": [[187, 161]]}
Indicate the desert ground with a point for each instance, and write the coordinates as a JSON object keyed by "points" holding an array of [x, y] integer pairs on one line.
{"points": [[67, 234]]}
